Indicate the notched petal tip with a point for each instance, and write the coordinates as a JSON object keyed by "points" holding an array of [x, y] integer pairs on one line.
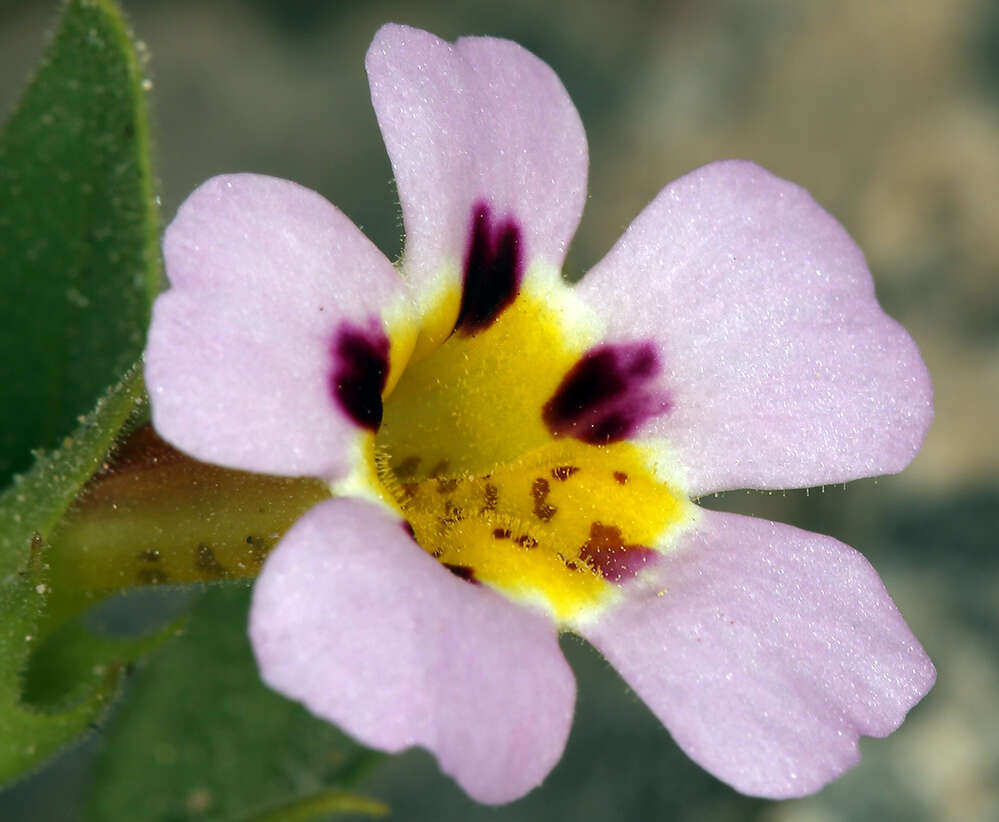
{"points": [[784, 369], [479, 120], [393, 36], [264, 273], [768, 652]]}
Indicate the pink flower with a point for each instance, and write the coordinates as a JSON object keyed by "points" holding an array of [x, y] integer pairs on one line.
{"points": [[512, 456]]}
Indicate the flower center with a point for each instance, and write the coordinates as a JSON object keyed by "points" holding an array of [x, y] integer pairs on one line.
{"points": [[499, 494]]}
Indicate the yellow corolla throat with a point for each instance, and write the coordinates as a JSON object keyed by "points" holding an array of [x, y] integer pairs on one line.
{"points": [[466, 455]]}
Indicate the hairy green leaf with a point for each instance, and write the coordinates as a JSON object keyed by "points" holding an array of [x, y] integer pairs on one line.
{"points": [[29, 510], [79, 258]]}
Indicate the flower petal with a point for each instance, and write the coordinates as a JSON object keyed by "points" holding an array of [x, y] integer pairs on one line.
{"points": [[480, 121], [767, 651], [249, 349], [353, 619], [781, 367]]}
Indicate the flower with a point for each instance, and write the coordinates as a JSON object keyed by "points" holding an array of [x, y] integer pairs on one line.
{"points": [[512, 456]]}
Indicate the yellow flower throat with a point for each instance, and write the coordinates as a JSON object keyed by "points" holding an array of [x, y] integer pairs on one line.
{"points": [[465, 455]]}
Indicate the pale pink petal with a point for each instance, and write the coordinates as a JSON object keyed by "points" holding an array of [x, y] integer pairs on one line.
{"points": [[356, 621], [766, 651], [266, 276], [780, 367], [482, 120]]}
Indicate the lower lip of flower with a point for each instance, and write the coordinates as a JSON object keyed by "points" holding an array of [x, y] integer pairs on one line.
{"points": [[495, 491]]}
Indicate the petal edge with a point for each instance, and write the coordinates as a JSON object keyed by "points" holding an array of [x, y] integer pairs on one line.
{"points": [[264, 275], [356, 621], [480, 121], [768, 652], [784, 370]]}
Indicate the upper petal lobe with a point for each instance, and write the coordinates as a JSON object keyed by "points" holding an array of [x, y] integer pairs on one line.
{"points": [[781, 367], [252, 354], [481, 123]]}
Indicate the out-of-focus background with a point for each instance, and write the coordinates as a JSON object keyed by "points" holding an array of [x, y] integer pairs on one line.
{"points": [[888, 112]]}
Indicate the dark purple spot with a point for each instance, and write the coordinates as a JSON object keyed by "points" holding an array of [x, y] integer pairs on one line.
{"points": [[258, 548], [462, 572], [493, 269], [492, 498], [540, 491], [621, 477], [407, 467], [607, 394], [446, 486], [408, 529], [563, 472], [360, 368], [611, 428], [527, 541], [606, 552], [501, 533], [204, 560], [453, 514]]}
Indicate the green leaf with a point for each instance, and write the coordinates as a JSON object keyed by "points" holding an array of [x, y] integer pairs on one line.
{"points": [[29, 737], [29, 510], [36, 501], [72, 662], [79, 267], [323, 804], [79, 258], [199, 736]]}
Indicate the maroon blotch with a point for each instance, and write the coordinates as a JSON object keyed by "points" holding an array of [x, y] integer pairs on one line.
{"points": [[491, 498], [493, 270], [447, 486], [439, 468], [607, 394], [407, 467], [606, 552], [360, 369], [408, 529], [540, 491], [563, 472], [462, 572]]}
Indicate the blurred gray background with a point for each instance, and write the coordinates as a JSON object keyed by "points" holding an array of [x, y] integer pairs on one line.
{"points": [[887, 111]]}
